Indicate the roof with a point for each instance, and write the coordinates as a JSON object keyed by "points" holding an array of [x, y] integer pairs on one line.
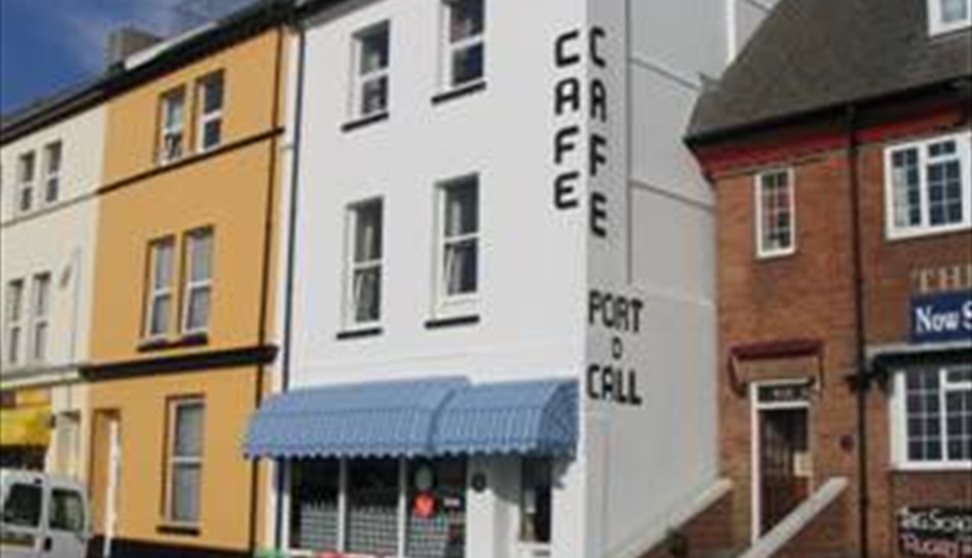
{"points": [[810, 56], [422, 417]]}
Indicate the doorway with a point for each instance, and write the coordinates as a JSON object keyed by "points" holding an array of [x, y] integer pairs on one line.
{"points": [[781, 452]]}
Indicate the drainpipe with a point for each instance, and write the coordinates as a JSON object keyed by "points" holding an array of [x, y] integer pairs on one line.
{"points": [[860, 381], [288, 326]]}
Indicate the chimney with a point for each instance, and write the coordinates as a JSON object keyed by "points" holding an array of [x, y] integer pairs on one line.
{"points": [[125, 41]]}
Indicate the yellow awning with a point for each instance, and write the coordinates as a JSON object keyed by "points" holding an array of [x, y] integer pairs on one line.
{"points": [[28, 426]]}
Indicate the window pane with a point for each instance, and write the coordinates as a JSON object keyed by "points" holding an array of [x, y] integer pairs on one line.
{"points": [[213, 93], [197, 315], [467, 64], [954, 10], [200, 255], [439, 532], [374, 50], [159, 322], [535, 500], [777, 219], [367, 295], [461, 208], [906, 197], [461, 267], [372, 500], [26, 171], [22, 507], [368, 231], [466, 19], [945, 193], [67, 511], [212, 133], [13, 345], [188, 429], [39, 343], [374, 95], [958, 405], [314, 489], [185, 492], [42, 289], [162, 256], [923, 415], [173, 107], [15, 300], [52, 157]]}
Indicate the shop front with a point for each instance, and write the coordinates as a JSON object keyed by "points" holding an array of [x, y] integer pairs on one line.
{"points": [[25, 422], [423, 469]]}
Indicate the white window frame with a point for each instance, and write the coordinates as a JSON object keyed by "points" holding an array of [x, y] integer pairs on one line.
{"points": [[15, 322], [936, 23], [191, 285], [25, 186], [204, 117], [154, 292], [963, 143], [167, 130], [455, 304], [172, 460], [450, 48], [360, 80], [352, 267], [763, 252], [52, 174], [899, 424], [40, 307]]}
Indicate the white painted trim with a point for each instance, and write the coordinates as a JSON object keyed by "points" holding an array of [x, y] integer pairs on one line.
{"points": [[761, 252], [656, 532], [732, 34], [798, 519]]}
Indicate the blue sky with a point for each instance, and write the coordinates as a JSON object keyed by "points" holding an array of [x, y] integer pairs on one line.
{"points": [[46, 45]]}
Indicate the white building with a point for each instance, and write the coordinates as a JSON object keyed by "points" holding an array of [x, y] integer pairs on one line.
{"points": [[50, 171], [494, 212]]}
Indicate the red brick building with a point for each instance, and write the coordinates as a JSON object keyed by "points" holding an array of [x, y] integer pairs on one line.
{"points": [[838, 146]]}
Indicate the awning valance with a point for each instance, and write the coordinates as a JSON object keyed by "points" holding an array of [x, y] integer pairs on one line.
{"points": [[417, 418], [26, 426]]}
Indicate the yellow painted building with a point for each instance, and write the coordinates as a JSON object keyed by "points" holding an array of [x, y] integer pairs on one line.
{"points": [[183, 308]]}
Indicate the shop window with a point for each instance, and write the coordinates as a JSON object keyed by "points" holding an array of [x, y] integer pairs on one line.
{"points": [[26, 172], [40, 310], [172, 128], [364, 268], [159, 295], [66, 511], [372, 522], [928, 186], [459, 243], [775, 214], [210, 92], [934, 414], [371, 56], [52, 172], [14, 312], [464, 42], [184, 467], [948, 15], [536, 492], [314, 495], [197, 291], [436, 509], [22, 506]]}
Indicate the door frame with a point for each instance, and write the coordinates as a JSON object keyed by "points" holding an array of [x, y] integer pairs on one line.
{"points": [[756, 407]]}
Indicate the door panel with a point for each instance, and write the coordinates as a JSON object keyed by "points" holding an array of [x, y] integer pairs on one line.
{"points": [[784, 464]]}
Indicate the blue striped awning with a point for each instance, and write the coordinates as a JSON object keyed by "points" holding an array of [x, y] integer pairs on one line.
{"points": [[351, 420], [532, 417], [418, 418]]}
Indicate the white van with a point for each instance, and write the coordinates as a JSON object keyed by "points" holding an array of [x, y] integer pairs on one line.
{"points": [[43, 516]]}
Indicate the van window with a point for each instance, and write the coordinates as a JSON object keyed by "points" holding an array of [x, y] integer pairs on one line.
{"points": [[67, 510], [22, 508]]}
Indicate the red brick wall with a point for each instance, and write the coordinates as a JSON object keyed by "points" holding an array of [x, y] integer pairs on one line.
{"points": [[824, 536], [707, 531]]}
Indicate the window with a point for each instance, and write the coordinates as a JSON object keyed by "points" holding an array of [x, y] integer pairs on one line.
{"points": [[459, 247], [315, 486], [172, 141], [198, 288], [536, 481], [22, 507], [934, 407], [364, 268], [66, 511], [210, 99], [928, 186], [437, 509], [775, 214], [372, 523], [370, 95], [159, 303], [948, 15], [185, 460], [26, 169], [15, 310], [52, 172], [464, 43], [40, 294]]}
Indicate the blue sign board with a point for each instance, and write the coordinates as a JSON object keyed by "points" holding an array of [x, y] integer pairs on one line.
{"points": [[941, 317]]}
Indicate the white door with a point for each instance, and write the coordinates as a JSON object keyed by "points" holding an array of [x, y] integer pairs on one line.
{"points": [[67, 523], [111, 488]]}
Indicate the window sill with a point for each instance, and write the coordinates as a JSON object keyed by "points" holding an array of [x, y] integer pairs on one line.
{"points": [[899, 235], [161, 344], [452, 321], [365, 121], [358, 333], [460, 91], [775, 255], [175, 529], [932, 467]]}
